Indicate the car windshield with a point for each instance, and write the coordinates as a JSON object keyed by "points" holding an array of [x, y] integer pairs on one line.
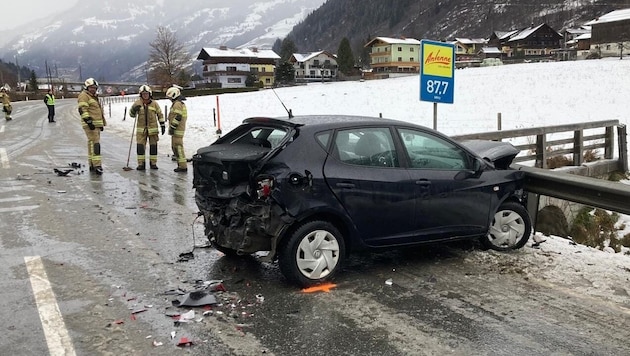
{"points": [[269, 137]]}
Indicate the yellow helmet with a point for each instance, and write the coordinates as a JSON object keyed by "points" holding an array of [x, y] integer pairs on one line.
{"points": [[173, 93]]}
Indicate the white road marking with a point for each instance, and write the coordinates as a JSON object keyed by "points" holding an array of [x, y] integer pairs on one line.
{"points": [[57, 337], [2, 129], [4, 158], [18, 208], [13, 199]]}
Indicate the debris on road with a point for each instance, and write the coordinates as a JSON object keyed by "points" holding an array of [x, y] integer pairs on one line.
{"points": [[326, 287], [195, 299]]}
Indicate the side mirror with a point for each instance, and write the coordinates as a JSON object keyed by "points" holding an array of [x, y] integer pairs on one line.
{"points": [[478, 166]]}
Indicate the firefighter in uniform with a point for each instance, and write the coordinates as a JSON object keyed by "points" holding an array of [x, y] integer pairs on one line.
{"points": [[177, 125], [6, 103], [149, 115], [93, 122]]}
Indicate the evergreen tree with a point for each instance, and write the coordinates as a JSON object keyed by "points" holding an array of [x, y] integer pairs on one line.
{"points": [[287, 49], [285, 73], [32, 82], [345, 58], [277, 46]]}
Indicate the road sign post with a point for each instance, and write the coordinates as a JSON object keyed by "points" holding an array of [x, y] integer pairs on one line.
{"points": [[437, 74]]}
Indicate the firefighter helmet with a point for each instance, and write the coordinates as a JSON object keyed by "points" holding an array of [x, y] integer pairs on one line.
{"points": [[91, 82], [173, 93], [145, 89]]}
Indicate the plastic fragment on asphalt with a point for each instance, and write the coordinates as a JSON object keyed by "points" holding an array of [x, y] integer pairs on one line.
{"points": [[326, 287], [389, 282], [195, 299], [172, 335], [157, 343], [260, 298], [184, 341]]}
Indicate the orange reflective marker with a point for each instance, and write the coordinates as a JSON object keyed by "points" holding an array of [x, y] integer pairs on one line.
{"points": [[320, 288]]}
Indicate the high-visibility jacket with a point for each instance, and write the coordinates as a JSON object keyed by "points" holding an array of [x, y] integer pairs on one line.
{"points": [[89, 106], [177, 118], [149, 116], [49, 99]]}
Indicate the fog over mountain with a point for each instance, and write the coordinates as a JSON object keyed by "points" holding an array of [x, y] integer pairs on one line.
{"points": [[109, 40]]}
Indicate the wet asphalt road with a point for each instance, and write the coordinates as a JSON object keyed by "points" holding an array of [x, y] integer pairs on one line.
{"points": [[111, 246]]}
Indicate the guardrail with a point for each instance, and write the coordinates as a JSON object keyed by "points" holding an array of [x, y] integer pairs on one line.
{"points": [[589, 191]]}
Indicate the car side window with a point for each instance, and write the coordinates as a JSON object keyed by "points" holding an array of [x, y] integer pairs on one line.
{"points": [[366, 147], [427, 151]]}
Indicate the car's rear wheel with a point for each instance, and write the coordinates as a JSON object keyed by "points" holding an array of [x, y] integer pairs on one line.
{"points": [[510, 228], [313, 254]]}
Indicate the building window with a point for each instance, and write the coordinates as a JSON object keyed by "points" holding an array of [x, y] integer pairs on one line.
{"points": [[230, 69], [411, 59], [400, 59], [399, 49], [233, 80]]}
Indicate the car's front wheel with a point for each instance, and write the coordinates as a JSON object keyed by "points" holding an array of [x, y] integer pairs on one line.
{"points": [[510, 228], [313, 253]]}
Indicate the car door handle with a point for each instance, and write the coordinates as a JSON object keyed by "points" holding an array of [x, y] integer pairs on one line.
{"points": [[345, 185], [423, 182]]}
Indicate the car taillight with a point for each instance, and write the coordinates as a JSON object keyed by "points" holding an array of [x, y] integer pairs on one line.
{"points": [[264, 187]]}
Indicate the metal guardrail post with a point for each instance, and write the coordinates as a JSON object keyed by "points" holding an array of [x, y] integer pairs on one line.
{"points": [[541, 150], [578, 147], [610, 142], [623, 147]]}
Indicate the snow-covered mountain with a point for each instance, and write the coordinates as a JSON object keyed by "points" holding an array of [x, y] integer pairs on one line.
{"points": [[109, 39]]}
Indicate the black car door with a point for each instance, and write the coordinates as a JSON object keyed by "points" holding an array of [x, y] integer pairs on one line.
{"points": [[375, 191], [448, 203]]}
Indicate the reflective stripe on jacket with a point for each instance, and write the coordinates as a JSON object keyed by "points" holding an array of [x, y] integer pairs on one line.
{"points": [[90, 107], [177, 118], [150, 117]]}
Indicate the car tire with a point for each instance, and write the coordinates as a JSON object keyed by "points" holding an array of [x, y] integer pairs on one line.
{"points": [[510, 228], [312, 254]]}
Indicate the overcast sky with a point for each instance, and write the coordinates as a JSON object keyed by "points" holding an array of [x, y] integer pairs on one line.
{"points": [[17, 13]]}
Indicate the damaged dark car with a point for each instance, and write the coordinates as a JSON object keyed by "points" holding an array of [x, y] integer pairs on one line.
{"points": [[310, 189]]}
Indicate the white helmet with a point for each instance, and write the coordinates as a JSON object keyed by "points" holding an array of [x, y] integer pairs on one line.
{"points": [[90, 81], [145, 89], [173, 93]]}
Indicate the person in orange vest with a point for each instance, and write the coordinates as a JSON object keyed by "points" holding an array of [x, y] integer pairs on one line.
{"points": [[6, 103], [49, 99], [149, 115], [93, 122]]}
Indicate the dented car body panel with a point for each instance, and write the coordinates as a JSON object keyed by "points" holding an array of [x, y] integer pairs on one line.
{"points": [[381, 183]]}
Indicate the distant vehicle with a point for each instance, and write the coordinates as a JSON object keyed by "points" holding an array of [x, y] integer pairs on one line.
{"points": [[309, 190]]}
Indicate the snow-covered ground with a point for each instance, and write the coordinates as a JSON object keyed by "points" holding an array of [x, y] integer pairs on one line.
{"points": [[526, 95]]}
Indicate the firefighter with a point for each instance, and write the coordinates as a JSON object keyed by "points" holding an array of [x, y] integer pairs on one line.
{"points": [[149, 115], [93, 122], [177, 125], [6, 103]]}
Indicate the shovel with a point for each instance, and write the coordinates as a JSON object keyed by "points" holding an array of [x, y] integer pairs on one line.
{"points": [[127, 168]]}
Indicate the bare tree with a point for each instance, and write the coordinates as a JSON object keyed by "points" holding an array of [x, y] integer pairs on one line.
{"points": [[167, 60]]}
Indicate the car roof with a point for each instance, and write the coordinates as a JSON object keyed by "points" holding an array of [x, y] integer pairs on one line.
{"points": [[327, 121]]}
